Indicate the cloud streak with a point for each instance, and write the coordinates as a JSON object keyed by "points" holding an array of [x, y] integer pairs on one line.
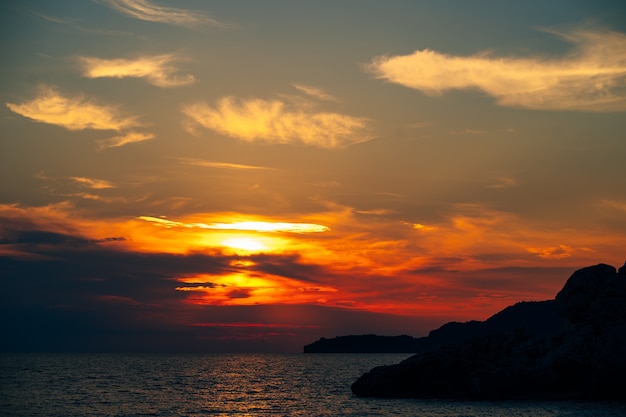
{"points": [[314, 92], [122, 140], [221, 165], [257, 226], [271, 121], [591, 78], [145, 10], [157, 70]]}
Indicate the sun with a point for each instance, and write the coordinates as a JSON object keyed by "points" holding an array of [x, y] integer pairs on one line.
{"points": [[248, 244]]}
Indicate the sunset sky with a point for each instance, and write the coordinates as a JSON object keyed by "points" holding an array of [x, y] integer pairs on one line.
{"points": [[253, 175]]}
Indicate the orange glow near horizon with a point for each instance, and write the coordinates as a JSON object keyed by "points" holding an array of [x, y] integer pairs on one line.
{"points": [[403, 268]]}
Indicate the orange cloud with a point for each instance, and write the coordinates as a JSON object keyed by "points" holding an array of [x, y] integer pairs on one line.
{"points": [[73, 113], [591, 78], [251, 289], [553, 252], [270, 121], [473, 262], [420, 226], [80, 113], [157, 70], [93, 183]]}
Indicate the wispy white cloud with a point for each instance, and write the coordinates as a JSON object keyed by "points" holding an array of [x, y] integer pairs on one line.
{"points": [[591, 78], [73, 24], [314, 92], [271, 121], [73, 113], [157, 70], [146, 10], [221, 165], [52, 19], [125, 139]]}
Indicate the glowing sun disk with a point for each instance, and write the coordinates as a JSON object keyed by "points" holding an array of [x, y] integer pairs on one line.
{"points": [[245, 243]]}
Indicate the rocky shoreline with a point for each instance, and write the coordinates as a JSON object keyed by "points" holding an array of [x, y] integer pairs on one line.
{"points": [[572, 347]]}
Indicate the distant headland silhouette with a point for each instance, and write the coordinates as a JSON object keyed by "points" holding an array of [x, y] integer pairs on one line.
{"points": [[571, 347]]}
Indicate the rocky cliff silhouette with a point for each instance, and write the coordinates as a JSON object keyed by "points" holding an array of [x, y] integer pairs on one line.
{"points": [[541, 317], [572, 347]]}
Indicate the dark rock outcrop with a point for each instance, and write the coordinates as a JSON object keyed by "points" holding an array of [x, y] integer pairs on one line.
{"points": [[573, 347], [594, 295], [369, 343]]}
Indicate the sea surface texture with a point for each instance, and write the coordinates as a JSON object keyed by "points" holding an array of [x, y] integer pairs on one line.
{"points": [[229, 385]]}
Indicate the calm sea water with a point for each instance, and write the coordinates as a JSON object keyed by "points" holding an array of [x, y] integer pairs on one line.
{"points": [[228, 385]]}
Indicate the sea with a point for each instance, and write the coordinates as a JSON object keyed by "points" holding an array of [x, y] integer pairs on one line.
{"points": [[230, 385]]}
